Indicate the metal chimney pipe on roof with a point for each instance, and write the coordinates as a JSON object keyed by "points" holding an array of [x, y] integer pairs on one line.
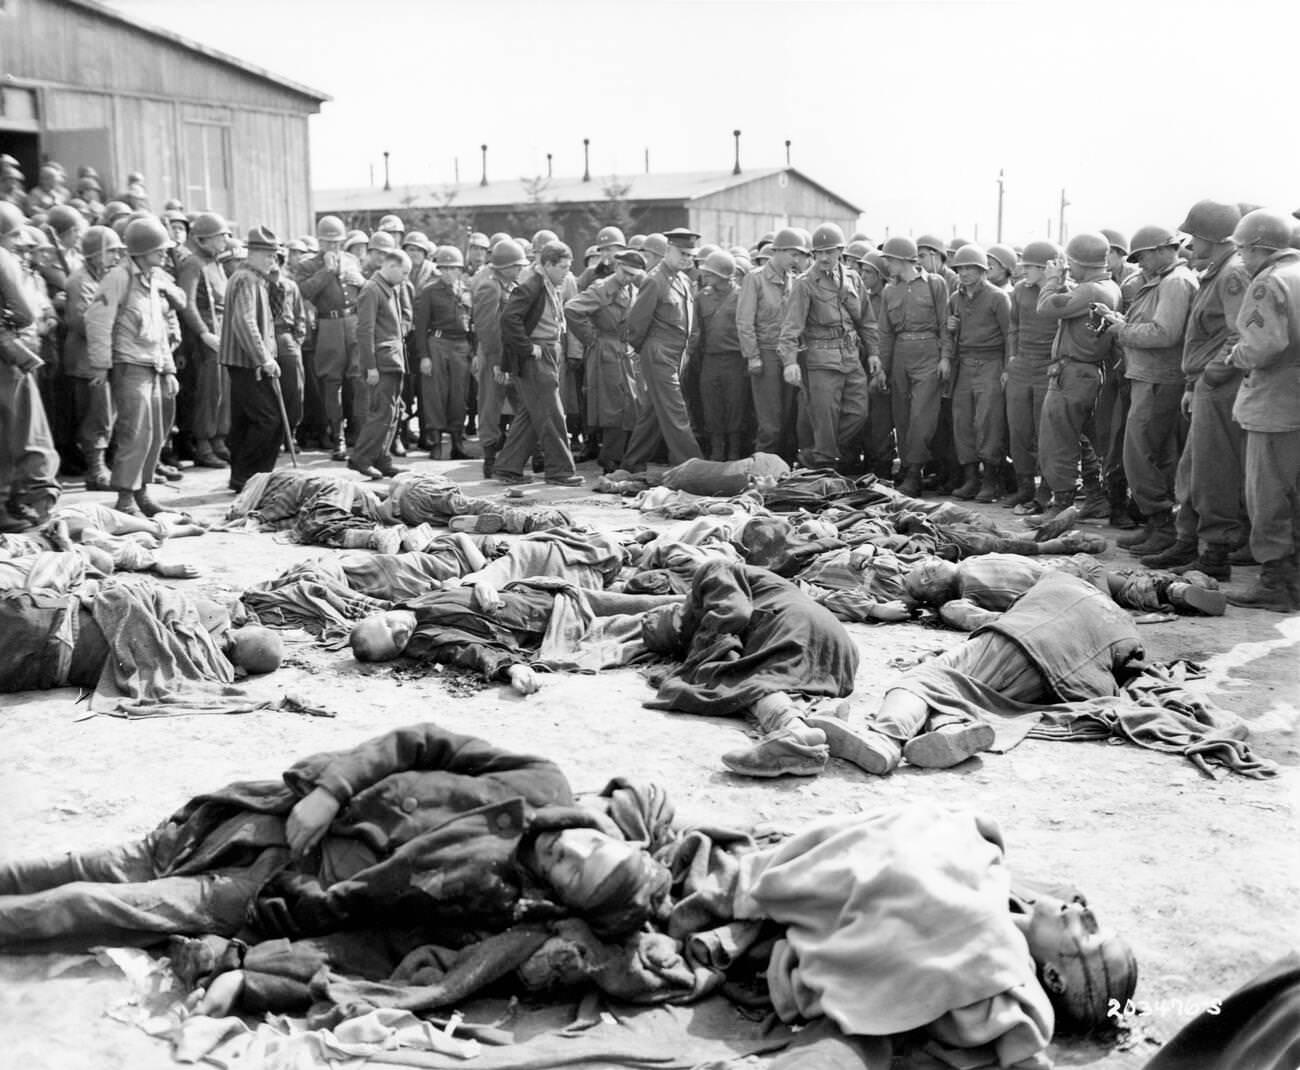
{"points": [[549, 171], [647, 161], [787, 152], [736, 169], [586, 159], [483, 181], [455, 168], [387, 184]]}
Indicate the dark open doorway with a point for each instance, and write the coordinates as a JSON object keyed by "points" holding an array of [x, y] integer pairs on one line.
{"points": [[23, 147]]}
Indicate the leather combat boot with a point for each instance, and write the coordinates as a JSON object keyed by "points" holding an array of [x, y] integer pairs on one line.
{"points": [[990, 484], [1272, 591], [1182, 552], [970, 484]]}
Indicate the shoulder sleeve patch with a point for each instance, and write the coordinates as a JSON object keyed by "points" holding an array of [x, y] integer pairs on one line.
{"points": [[1234, 285], [1259, 292]]}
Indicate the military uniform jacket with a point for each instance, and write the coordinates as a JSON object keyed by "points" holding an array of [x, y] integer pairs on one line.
{"points": [[1068, 304], [329, 290], [1212, 324], [824, 310], [1269, 348], [918, 306], [663, 313], [760, 310], [597, 318], [1157, 323]]}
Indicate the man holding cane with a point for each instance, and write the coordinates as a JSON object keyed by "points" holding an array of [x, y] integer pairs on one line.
{"points": [[248, 351]]}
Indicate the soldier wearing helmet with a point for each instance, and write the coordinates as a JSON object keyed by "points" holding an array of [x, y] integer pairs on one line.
{"points": [[49, 190], [28, 461], [442, 338], [491, 289], [203, 281], [67, 225], [101, 249], [1025, 378], [383, 322], [659, 326], [1208, 482], [933, 255], [827, 314], [879, 438], [760, 311], [476, 253], [330, 282], [394, 227], [596, 317], [715, 347], [1003, 263], [979, 320], [129, 332], [1268, 404], [1074, 376], [916, 350], [1151, 333]]}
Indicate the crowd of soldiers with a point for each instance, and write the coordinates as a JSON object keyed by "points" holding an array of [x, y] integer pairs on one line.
{"points": [[1152, 383]]}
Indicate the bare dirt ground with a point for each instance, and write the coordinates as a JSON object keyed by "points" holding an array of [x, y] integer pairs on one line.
{"points": [[1200, 875]]}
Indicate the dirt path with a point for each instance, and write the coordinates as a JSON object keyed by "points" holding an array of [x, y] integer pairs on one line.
{"points": [[1200, 875]]}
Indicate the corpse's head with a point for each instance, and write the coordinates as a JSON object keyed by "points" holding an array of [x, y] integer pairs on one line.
{"points": [[661, 628], [382, 636], [615, 886], [255, 650], [933, 582], [1081, 967]]}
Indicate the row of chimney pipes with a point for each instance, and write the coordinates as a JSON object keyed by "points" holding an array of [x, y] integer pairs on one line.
{"points": [[586, 162]]}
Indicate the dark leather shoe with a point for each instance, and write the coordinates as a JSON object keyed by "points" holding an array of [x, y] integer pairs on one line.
{"points": [[367, 470]]}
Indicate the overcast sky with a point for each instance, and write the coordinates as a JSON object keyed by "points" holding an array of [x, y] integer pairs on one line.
{"points": [[909, 109]]}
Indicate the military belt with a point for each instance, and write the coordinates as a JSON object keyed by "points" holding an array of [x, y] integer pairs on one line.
{"points": [[339, 313], [916, 336]]}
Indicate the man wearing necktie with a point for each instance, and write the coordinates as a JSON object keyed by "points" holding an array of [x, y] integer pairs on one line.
{"points": [[659, 328]]}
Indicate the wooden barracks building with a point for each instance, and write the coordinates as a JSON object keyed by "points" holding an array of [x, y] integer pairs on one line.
{"points": [[83, 84]]}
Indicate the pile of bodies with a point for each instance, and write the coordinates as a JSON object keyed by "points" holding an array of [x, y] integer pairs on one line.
{"points": [[390, 883]]}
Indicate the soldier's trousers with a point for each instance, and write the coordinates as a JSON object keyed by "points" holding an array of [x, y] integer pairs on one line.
{"points": [[444, 389], [915, 389], [336, 359], [1211, 470], [774, 405], [724, 393], [94, 406], [138, 429], [1072, 389], [383, 403], [210, 408], [1025, 393], [835, 399], [29, 464], [1273, 493], [663, 417], [256, 427], [1109, 419], [540, 421], [292, 374], [1152, 440], [979, 415], [878, 435]]}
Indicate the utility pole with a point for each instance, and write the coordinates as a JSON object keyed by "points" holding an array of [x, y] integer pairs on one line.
{"points": [[1049, 228], [455, 168], [976, 239], [1002, 194], [1060, 229]]}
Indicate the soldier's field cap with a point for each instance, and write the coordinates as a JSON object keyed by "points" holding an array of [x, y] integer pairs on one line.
{"points": [[631, 258], [682, 238]]}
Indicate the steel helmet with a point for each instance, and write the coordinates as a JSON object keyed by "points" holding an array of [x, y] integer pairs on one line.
{"points": [[789, 238], [1004, 255], [99, 240], [355, 237], [876, 262], [295, 245], [175, 215], [543, 238], [1088, 249], [32, 237], [806, 237], [1038, 253], [500, 235], [1211, 221], [478, 240], [656, 244], [114, 210], [590, 253], [391, 224], [706, 250], [330, 228], [929, 241], [145, 236], [827, 236], [209, 225], [956, 244], [636, 241], [970, 255], [63, 218], [899, 248], [610, 236], [1117, 240], [857, 250], [383, 241], [312, 243], [508, 253], [1264, 229], [448, 256], [1152, 236], [720, 263], [417, 239], [861, 235], [767, 239]]}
